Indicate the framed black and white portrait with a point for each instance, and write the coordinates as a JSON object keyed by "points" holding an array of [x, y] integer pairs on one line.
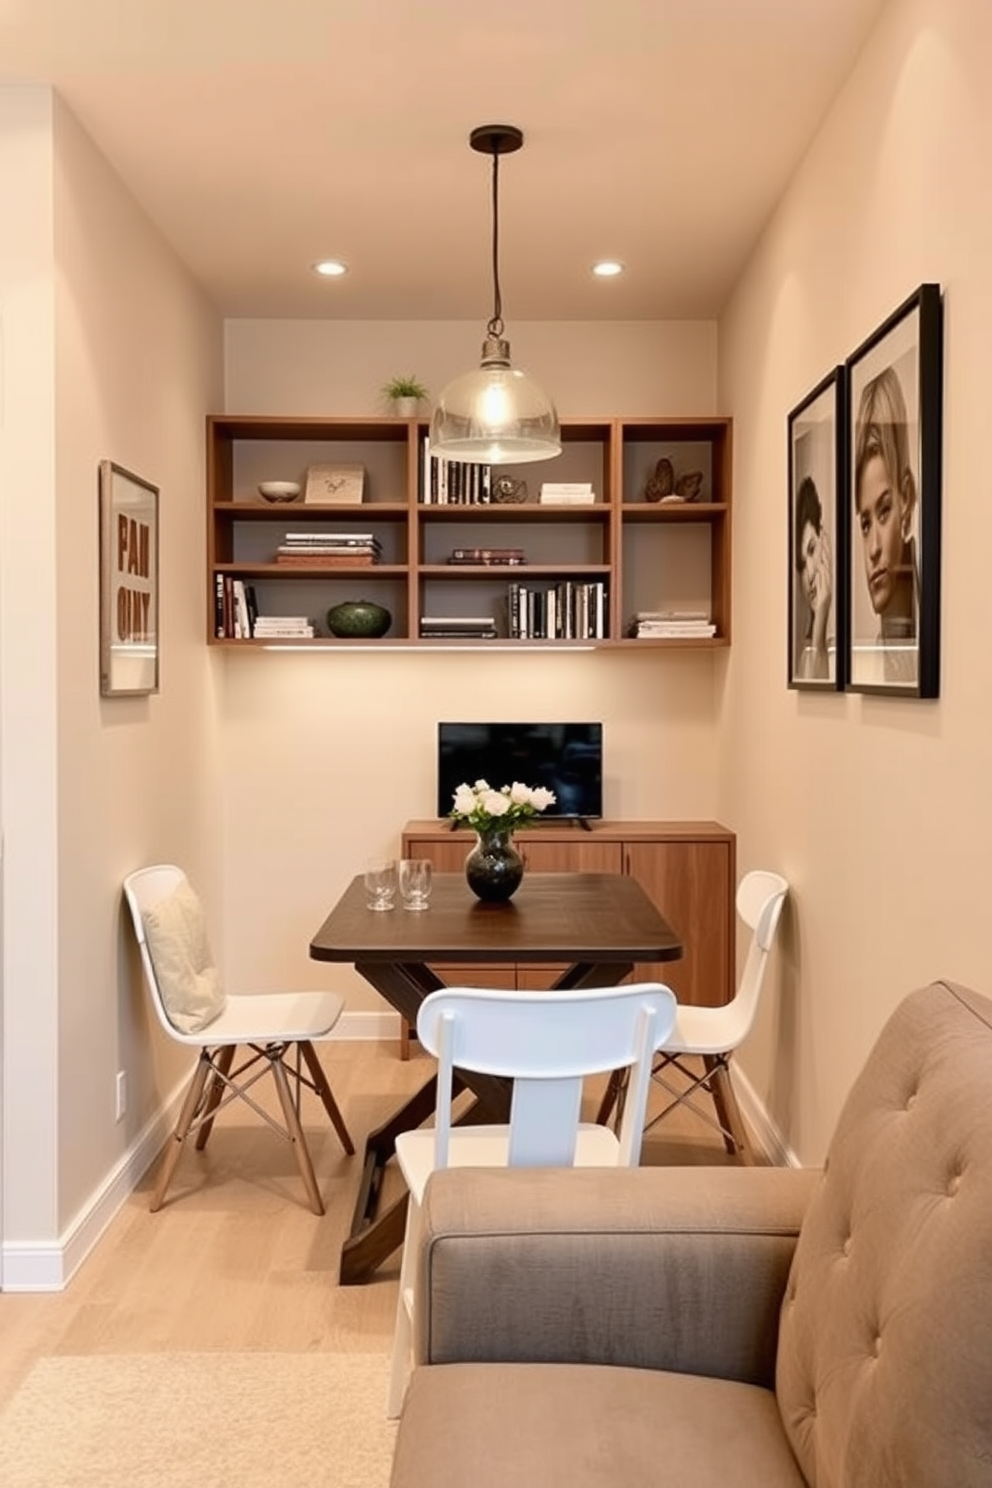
{"points": [[817, 528], [894, 462]]}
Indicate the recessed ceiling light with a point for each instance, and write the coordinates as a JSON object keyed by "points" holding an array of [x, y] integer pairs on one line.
{"points": [[330, 268], [609, 268]]}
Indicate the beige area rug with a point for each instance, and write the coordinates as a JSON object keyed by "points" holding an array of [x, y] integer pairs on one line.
{"points": [[199, 1421]]}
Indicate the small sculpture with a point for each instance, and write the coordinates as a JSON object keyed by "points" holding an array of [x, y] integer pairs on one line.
{"points": [[507, 491], [690, 485], [662, 483]]}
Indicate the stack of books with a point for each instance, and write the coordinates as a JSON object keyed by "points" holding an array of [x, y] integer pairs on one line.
{"points": [[567, 493], [328, 550], [458, 627], [282, 627], [672, 624], [488, 555]]}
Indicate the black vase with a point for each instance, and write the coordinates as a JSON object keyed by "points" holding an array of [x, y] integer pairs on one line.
{"points": [[494, 868]]}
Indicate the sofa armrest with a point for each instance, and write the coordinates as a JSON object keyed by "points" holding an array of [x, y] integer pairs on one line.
{"points": [[657, 1268]]}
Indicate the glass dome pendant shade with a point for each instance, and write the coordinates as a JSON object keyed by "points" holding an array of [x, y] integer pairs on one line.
{"points": [[496, 415]]}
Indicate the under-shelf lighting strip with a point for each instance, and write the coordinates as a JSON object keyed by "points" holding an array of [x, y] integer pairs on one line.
{"points": [[412, 646]]}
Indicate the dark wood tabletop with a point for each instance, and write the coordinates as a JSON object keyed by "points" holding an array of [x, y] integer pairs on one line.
{"points": [[599, 925], [605, 918]]}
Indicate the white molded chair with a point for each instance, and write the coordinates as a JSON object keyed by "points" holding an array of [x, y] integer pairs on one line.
{"points": [[277, 1028], [711, 1034], [546, 1042]]}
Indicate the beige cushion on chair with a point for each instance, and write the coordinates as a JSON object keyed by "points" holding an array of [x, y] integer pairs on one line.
{"points": [[188, 980]]}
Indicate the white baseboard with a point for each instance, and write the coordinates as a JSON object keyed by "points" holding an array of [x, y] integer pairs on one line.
{"points": [[773, 1144], [384, 1025], [49, 1265]]}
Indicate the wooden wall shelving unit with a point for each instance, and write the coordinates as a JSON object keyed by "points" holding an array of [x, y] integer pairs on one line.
{"points": [[649, 556]]}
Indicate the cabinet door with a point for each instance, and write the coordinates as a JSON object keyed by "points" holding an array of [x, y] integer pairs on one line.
{"points": [[690, 882]]}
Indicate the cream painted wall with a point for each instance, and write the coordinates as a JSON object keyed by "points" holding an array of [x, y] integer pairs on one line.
{"points": [[593, 369], [28, 697], [328, 754], [878, 810], [130, 359], [138, 364]]}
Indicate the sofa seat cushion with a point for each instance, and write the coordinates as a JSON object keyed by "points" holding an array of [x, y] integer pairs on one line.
{"points": [[587, 1426]]}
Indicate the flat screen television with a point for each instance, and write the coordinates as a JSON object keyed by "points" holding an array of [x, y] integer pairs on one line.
{"points": [[566, 758]]}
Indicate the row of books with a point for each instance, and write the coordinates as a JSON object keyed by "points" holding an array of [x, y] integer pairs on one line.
{"points": [[453, 482], [328, 550], [236, 616], [235, 609], [672, 625], [573, 610]]}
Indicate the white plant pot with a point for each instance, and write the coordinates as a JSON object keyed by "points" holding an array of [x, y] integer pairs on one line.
{"points": [[406, 407]]}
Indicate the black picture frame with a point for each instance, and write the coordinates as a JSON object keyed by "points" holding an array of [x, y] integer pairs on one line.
{"points": [[818, 506], [895, 394], [129, 627]]}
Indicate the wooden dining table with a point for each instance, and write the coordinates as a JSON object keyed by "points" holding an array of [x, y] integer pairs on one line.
{"points": [[599, 925]]}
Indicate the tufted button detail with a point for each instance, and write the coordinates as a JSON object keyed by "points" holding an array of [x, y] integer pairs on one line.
{"points": [[953, 1184], [911, 1100], [846, 1247], [876, 1346]]}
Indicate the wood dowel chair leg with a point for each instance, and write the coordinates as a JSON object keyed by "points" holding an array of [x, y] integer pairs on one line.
{"points": [[323, 1089], [295, 1131], [727, 1109], [174, 1146], [214, 1092]]}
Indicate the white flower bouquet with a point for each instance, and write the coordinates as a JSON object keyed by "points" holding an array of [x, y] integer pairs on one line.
{"points": [[483, 807]]}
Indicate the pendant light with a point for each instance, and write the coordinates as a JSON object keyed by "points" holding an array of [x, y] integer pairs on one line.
{"points": [[497, 415]]}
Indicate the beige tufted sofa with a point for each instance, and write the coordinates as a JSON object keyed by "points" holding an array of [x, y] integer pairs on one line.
{"points": [[728, 1328]]}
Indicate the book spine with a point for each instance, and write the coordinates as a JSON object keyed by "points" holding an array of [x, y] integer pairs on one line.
{"points": [[252, 603], [228, 607]]}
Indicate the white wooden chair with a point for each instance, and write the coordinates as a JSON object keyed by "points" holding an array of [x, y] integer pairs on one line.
{"points": [[277, 1029], [546, 1043], [712, 1034]]}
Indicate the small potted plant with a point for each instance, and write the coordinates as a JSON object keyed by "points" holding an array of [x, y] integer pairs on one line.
{"points": [[405, 394]]}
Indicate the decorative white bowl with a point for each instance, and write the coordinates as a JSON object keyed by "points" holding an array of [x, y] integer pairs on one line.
{"points": [[279, 490]]}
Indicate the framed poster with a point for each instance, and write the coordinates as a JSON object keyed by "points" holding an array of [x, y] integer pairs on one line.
{"points": [[895, 389], [334, 485], [129, 644], [817, 534]]}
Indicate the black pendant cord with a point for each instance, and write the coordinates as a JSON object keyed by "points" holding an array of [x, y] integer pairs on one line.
{"points": [[495, 326]]}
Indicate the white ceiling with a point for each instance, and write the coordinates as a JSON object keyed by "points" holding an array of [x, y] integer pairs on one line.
{"points": [[261, 135]]}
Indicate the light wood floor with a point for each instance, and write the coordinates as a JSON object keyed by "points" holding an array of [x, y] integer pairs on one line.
{"points": [[235, 1260]]}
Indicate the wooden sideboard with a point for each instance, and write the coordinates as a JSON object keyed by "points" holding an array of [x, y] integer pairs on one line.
{"points": [[688, 869]]}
